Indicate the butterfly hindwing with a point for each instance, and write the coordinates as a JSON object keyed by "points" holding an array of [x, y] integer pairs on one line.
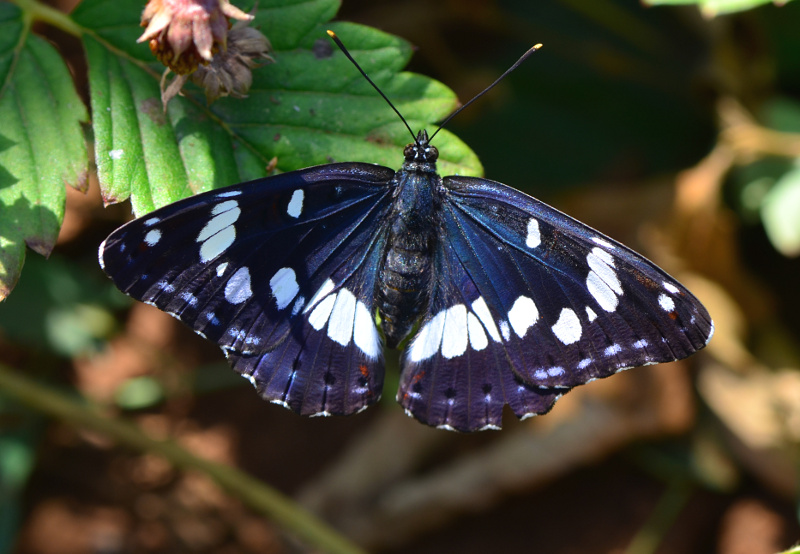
{"points": [[531, 294], [456, 374], [332, 362]]}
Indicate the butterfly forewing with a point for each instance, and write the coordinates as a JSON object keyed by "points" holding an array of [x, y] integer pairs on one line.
{"points": [[280, 272], [238, 265]]}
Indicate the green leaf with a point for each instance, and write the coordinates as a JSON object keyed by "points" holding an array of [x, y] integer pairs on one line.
{"points": [[718, 7], [42, 146], [310, 107], [61, 307], [780, 212]]}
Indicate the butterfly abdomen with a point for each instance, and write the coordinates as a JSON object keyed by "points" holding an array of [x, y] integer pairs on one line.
{"points": [[405, 274]]}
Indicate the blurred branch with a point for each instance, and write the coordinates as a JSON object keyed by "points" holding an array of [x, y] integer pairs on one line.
{"points": [[669, 507], [748, 139], [252, 492]]}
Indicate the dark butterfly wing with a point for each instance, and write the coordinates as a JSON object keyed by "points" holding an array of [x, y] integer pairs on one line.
{"points": [[331, 363], [254, 267], [544, 300]]}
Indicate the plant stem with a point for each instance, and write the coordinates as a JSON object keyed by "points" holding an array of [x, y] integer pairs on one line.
{"points": [[36, 11], [252, 492]]}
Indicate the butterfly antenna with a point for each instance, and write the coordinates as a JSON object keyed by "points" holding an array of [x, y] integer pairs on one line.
{"points": [[522, 58], [355, 63]]}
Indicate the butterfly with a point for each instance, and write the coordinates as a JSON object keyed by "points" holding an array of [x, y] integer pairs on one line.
{"points": [[303, 277]]}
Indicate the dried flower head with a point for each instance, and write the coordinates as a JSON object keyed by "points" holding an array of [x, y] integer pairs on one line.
{"points": [[185, 33], [230, 72], [193, 39]]}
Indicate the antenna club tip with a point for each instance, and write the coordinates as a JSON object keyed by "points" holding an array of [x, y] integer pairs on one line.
{"points": [[535, 46], [333, 35]]}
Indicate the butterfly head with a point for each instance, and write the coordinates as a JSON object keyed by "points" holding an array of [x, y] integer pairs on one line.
{"points": [[420, 154]]}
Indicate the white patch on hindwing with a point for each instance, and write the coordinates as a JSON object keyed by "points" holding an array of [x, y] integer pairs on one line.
{"points": [[568, 327], [453, 329], [284, 287], [347, 318], [522, 315]]}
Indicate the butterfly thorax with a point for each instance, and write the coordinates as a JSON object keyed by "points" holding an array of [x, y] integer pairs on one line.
{"points": [[405, 272]]}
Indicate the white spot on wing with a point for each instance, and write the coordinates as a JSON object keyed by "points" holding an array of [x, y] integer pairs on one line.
{"points": [[568, 327], [590, 314], [153, 220], [223, 207], [584, 363], [284, 286], [505, 330], [534, 238], [601, 292], [319, 317], [555, 371], [522, 315], [326, 288], [225, 214], [298, 305], [602, 281], [639, 344], [477, 337], [365, 333], [217, 244], [237, 289], [427, 341], [666, 303], [221, 269], [455, 335], [295, 207], [611, 350], [482, 311], [229, 194], [671, 288], [152, 237], [340, 326], [189, 298], [165, 286], [601, 242]]}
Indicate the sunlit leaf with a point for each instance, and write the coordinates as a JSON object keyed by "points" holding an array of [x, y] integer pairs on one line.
{"points": [[780, 212], [42, 148], [310, 107], [718, 7]]}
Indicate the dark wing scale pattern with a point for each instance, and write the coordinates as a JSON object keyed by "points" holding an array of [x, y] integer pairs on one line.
{"points": [[559, 305], [246, 275], [230, 298], [637, 314], [465, 392], [312, 374]]}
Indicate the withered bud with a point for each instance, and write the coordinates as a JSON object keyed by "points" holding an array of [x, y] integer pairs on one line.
{"points": [[230, 72], [186, 33]]}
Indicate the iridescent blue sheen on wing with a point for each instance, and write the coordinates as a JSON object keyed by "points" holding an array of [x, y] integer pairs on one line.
{"points": [[515, 302]]}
